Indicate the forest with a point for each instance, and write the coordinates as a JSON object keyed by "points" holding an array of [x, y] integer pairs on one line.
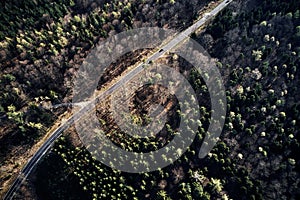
{"points": [[255, 46]]}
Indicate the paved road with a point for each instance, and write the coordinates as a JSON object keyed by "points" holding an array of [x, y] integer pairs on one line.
{"points": [[79, 104], [88, 106]]}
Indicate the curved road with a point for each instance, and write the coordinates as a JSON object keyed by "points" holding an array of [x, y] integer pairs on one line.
{"points": [[88, 106]]}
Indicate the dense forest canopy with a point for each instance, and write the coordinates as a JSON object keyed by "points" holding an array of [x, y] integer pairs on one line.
{"points": [[256, 47]]}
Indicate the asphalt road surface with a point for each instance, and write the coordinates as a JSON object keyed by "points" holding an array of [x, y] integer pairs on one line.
{"points": [[88, 106]]}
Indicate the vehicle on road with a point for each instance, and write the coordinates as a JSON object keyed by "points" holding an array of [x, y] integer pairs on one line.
{"points": [[206, 15]]}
